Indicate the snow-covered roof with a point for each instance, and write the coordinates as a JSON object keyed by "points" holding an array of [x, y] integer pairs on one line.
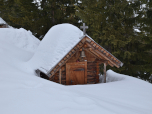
{"points": [[2, 21], [58, 41]]}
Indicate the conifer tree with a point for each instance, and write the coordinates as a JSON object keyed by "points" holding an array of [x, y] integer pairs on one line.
{"points": [[38, 17], [113, 24]]}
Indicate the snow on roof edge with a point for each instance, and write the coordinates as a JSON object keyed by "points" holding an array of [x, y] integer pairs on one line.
{"points": [[64, 56]]}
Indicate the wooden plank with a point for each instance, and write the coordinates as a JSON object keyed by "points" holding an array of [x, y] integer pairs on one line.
{"points": [[97, 46], [88, 40], [67, 56], [80, 44], [92, 80], [97, 73], [76, 73], [85, 46], [60, 76], [60, 64], [67, 74], [77, 46], [104, 72], [89, 78], [94, 45], [92, 42], [107, 53], [106, 58], [77, 54], [70, 53], [72, 50], [91, 53], [85, 77], [110, 64], [97, 79], [63, 68]]}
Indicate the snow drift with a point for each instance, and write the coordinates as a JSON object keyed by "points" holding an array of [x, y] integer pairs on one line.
{"points": [[24, 93], [20, 38]]}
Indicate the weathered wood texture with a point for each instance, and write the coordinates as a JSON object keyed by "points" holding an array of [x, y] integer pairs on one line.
{"points": [[76, 73], [104, 72], [60, 76], [92, 70], [55, 78], [92, 67]]}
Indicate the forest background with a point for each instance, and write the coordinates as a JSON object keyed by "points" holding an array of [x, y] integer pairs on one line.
{"points": [[123, 27]]}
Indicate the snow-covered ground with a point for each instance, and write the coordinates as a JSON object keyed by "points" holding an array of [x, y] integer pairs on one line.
{"points": [[21, 92]]}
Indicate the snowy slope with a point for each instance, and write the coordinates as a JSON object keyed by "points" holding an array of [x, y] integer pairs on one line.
{"points": [[21, 92]]}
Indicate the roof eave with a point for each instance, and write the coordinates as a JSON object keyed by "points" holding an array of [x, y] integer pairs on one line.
{"points": [[48, 73]]}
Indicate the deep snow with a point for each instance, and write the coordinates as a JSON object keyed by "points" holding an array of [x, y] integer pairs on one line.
{"points": [[22, 92]]}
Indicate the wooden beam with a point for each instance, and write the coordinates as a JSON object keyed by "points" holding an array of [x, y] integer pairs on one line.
{"points": [[104, 52], [104, 72], [97, 73], [60, 76], [85, 77], [88, 39], [102, 56], [105, 57], [87, 49]]}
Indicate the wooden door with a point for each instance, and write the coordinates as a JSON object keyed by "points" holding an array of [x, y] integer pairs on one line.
{"points": [[76, 73]]}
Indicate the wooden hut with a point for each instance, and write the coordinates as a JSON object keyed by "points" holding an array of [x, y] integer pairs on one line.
{"points": [[3, 24], [81, 64]]}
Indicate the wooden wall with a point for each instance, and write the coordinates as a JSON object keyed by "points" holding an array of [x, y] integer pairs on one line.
{"points": [[3, 26], [92, 68], [92, 76]]}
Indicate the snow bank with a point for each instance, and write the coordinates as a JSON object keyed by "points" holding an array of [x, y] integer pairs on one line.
{"points": [[112, 77], [20, 38], [24, 93], [55, 45]]}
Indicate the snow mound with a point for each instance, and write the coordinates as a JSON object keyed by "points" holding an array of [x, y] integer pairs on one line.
{"points": [[112, 76], [55, 45], [20, 38]]}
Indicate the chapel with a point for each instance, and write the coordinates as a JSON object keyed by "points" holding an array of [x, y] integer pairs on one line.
{"points": [[72, 57]]}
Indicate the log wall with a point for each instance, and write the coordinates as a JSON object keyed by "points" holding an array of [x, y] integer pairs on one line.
{"points": [[92, 68], [92, 76]]}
